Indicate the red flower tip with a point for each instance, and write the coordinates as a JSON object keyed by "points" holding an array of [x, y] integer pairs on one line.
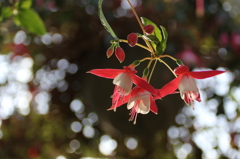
{"points": [[120, 54], [110, 51], [149, 29], [132, 39], [181, 70]]}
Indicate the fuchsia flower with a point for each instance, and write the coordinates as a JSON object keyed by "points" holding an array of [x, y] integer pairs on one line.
{"points": [[141, 101], [123, 80], [186, 84]]}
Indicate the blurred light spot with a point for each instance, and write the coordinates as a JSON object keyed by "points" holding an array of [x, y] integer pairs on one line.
{"points": [[181, 153], [73, 68], [27, 41], [233, 14], [187, 147], [76, 126], [77, 106], [6, 106], [180, 119], [24, 111], [131, 143], [230, 107], [80, 116], [61, 157], [46, 39], [93, 116], [37, 40], [20, 37], [88, 132], [42, 97], [107, 145], [120, 12], [74, 144], [27, 62], [62, 86], [57, 38], [227, 6], [24, 75], [125, 5], [212, 8], [90, 9], [222, 52], [63, 64], [42, 108], [87, 121], [173, 132], [210, 154], [60, 74]]}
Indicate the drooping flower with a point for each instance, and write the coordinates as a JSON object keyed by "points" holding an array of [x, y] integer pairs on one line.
{"points": [[186, 84], [123, 80], [141, 101]]}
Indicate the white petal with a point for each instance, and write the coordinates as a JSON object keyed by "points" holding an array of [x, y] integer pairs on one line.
{"points": [[130, 104], [141, 95], [187, 83], [124, 81], [144, 106]]}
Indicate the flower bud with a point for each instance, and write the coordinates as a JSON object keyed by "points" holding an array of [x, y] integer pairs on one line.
{"points": [[179, 62], [145, 72], [149, 29], [110, 51], [136, 63], [132, 39], [120, 54]]}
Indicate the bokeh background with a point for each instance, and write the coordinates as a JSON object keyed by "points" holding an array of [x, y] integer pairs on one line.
{"points": [[51, 108]]}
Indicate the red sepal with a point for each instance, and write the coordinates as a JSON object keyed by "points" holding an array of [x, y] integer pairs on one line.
{"points": [[106, 73], [205, 74]]}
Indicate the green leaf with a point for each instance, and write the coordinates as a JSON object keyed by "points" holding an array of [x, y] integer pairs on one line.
{"points": [[151, 38], [161, 47], [30, 20], [23, 4], [104, 21], [164, 33], [156, 32], [6, 12]]}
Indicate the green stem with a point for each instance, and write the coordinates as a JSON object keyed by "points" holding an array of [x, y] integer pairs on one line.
{"points": [[150, 76], [162, 56], [144, 47]]}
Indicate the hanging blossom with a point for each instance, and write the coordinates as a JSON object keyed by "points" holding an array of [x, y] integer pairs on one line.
{"points": [[140, 101], [123, 81], [186, 84]]}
